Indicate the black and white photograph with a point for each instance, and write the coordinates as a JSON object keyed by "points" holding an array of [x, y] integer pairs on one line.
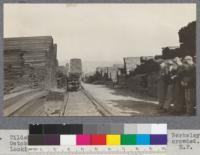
{"points": [[134, 59]]}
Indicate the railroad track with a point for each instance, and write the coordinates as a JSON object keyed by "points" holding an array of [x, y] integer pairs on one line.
{"points": [[31, 108], [78, 103], [15, 103], [81, 103], [63, 110]]}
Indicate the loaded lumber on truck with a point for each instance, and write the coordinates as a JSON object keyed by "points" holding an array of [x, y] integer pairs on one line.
{"points": [[61, 76], [29, 61], [75, 73]]}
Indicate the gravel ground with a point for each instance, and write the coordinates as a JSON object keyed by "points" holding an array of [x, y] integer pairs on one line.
{"points": [[123, 102]]}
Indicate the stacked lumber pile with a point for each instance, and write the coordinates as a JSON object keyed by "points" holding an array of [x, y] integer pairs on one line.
{"points": [[13, 64], [32, 60], [187, 38]]}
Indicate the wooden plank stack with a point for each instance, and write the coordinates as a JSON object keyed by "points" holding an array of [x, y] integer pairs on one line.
{"points": [[30, 59]]}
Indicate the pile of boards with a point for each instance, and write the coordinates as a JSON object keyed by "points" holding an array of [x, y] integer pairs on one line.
{"points": [[29, 61]]}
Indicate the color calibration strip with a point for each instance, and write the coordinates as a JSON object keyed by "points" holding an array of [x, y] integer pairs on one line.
{"points": [[101, 134], [99, 139]]}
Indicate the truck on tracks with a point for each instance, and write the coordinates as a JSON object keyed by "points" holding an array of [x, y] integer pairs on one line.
{"points": [[75, 73]]}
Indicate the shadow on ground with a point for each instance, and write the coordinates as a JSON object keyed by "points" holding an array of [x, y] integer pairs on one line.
{"points": [[128, 93], [137, 108]]}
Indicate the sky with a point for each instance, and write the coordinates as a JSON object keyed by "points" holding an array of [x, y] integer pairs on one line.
{"points": [[100, 32]]}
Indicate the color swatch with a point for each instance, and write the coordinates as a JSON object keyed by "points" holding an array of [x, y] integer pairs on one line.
{"points": [[143, 139], [99, 139], [91, 134], [128, 139], [113, 139], [83, 139], [67, 139]]}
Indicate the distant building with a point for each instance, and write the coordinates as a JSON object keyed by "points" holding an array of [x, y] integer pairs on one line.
{"points": [[98, 69], [119, 69], [143, 59], [130, 63], [67, 67], [118, 65]]}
